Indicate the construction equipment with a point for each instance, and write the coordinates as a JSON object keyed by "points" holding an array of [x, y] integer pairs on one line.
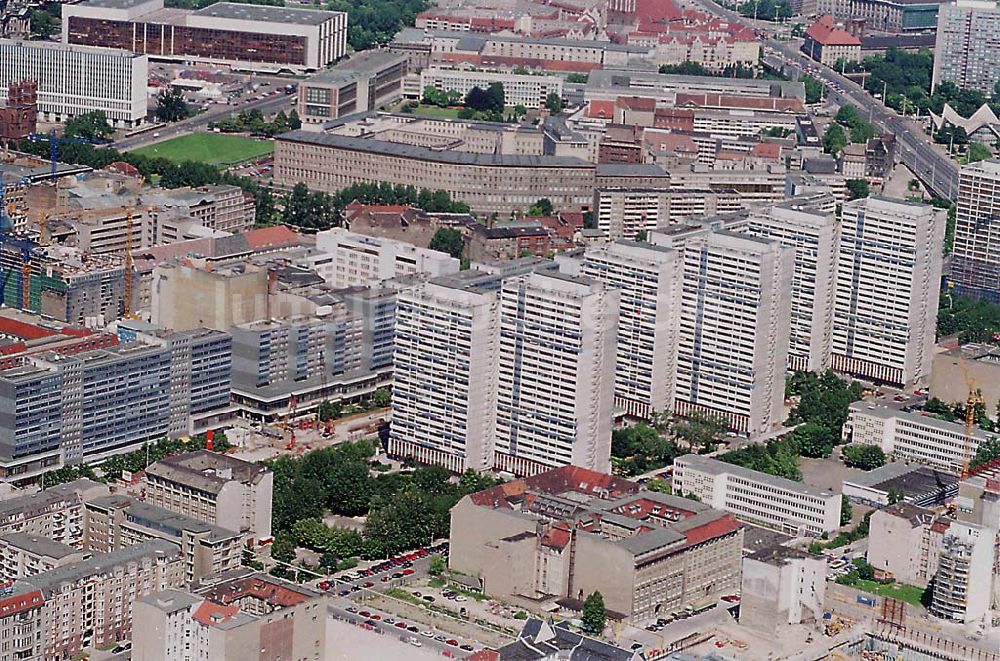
{"points": [[54, 141], [127, 311], [974, 399]]}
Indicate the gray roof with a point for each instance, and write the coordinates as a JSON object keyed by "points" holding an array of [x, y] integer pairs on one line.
{"points": [[171, 601], [912, 480], [201, 470], [540, 640], [38, 545], [367, 62], [114, 4], [716, 467], [779, 555], [35, 504], [162, 520], [267, 14], [895, 411], [425, 154], [103, 563], [630, 170]]}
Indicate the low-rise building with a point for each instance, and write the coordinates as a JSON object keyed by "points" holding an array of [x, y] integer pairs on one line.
{"points": [[912, 483], [214, 488], [781, 586], [904, 542], [56, 513], [359, 260], [568, 532], [254, 617], [23, 555], [828, 44], [912, 437], [367, 81], [758, 497], [528, 90], [117, 522]]}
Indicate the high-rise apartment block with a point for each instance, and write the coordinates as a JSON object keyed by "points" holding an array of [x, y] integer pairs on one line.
{"points": [[975, 262], [556, 373], [964, 579], [813, 234], [888, 276], [444, 388], [967, 45], [649, 279], [734, 328]]}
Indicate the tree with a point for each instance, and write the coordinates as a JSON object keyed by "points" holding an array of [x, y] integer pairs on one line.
{"points": [[640, 448], [497, 97], [283, 549], [42, 24], [895, 496], [857, 189], [814, 89], [698, 429], [865, 571], [659, 485], [988, 450], [687, 68], [477, 99], [542, 207], [978, 152], [436, 566], [813, 439], [594, 614], [779, 457], [846, 511], [834, 139], [865, 457], [382, 398], [170, 106], [581, 78], [448, 240], [294, 122], [554, 103], [329, 410], [92, 126]]}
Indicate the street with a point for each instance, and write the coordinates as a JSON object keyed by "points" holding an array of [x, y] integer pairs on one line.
{"points": [[936, 170]]}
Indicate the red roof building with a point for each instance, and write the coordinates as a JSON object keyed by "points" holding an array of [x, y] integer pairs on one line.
{"points": [[827, 43]]}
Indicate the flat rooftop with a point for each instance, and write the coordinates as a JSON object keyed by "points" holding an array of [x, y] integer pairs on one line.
{"points": [[716, 467], [38, 545], [911, 480], [267, 14]]}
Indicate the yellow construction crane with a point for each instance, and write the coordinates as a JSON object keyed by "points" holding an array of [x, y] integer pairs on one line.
{"points": [[975, 398]]}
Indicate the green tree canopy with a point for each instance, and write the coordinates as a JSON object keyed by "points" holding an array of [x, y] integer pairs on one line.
{"points": [[834, 140], [865, 457], [448, 240], [594, 613], [170, 106], [92, 126]]}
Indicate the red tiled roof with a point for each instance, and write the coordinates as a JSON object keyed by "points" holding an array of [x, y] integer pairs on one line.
{"points": [[721, 526], [672, 142], [556, 481], [210, 613], [20, 603], [656, 10], [824, 31], [601, 109], [640, 103], [271, 237], [771, 150], [556, 537]]}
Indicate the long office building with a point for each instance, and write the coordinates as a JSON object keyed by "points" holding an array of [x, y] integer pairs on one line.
{"points": [[90, 405], [975, 264], [813, 235], [649, 279], [73, 80], [444, 380], [254, 37], [786, 505], [967, 45], [556, 373], [911, 436], [734, 329], [360, 260], [367, 81], [888, 276], [528, 90]]}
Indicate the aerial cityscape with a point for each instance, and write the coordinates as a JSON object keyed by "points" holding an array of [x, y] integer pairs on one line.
{"points": [[500, 330]]}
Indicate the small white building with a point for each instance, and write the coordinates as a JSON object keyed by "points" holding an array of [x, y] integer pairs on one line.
{"points": [[359, 260], [782, 586]]}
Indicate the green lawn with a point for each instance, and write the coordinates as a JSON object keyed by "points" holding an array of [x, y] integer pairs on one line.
{"points": [[212, 148], [909, 593], [436, 111]]}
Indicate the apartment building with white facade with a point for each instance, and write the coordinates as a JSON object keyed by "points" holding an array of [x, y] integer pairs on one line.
{"points": [[909, 436], [964, 579], [528, 90], [73, 80], [556, 373], [888, 282], [734, 329], [967, 45], [23, 555], [444, 387], [786, 505], [359, 260], [621, 213], [975, 263], [813, 235], [649, 280]]}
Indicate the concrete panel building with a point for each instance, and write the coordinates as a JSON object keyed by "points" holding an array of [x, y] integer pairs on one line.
{"points": [[888, 276], [23, 555], [964, 579], [253, 617], [359, 260], [368, 81], [913, 437], [782, 586], [444, 385], [55, 513], [73, 80], [556, 373], [570, 531], [734, 329], [975, 266], [254, 37], [214, 488], [967, 45], [530, 91], [777, 502], [649, 279], [904, 542], [813, 235]]}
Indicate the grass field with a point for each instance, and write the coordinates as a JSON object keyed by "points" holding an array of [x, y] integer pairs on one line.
{"points": [[435, 111], [212, 148], [908, 593]]}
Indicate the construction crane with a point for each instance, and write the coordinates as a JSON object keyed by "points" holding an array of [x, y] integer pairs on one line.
{"points": [[974, 399], [128, 252], [54, 141]]}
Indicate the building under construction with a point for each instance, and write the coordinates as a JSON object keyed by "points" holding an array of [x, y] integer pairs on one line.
{"points": [[61, 282]]}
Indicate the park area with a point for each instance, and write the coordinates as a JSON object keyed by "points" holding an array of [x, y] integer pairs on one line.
{"points": [[911, 594], [210, 148]]}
